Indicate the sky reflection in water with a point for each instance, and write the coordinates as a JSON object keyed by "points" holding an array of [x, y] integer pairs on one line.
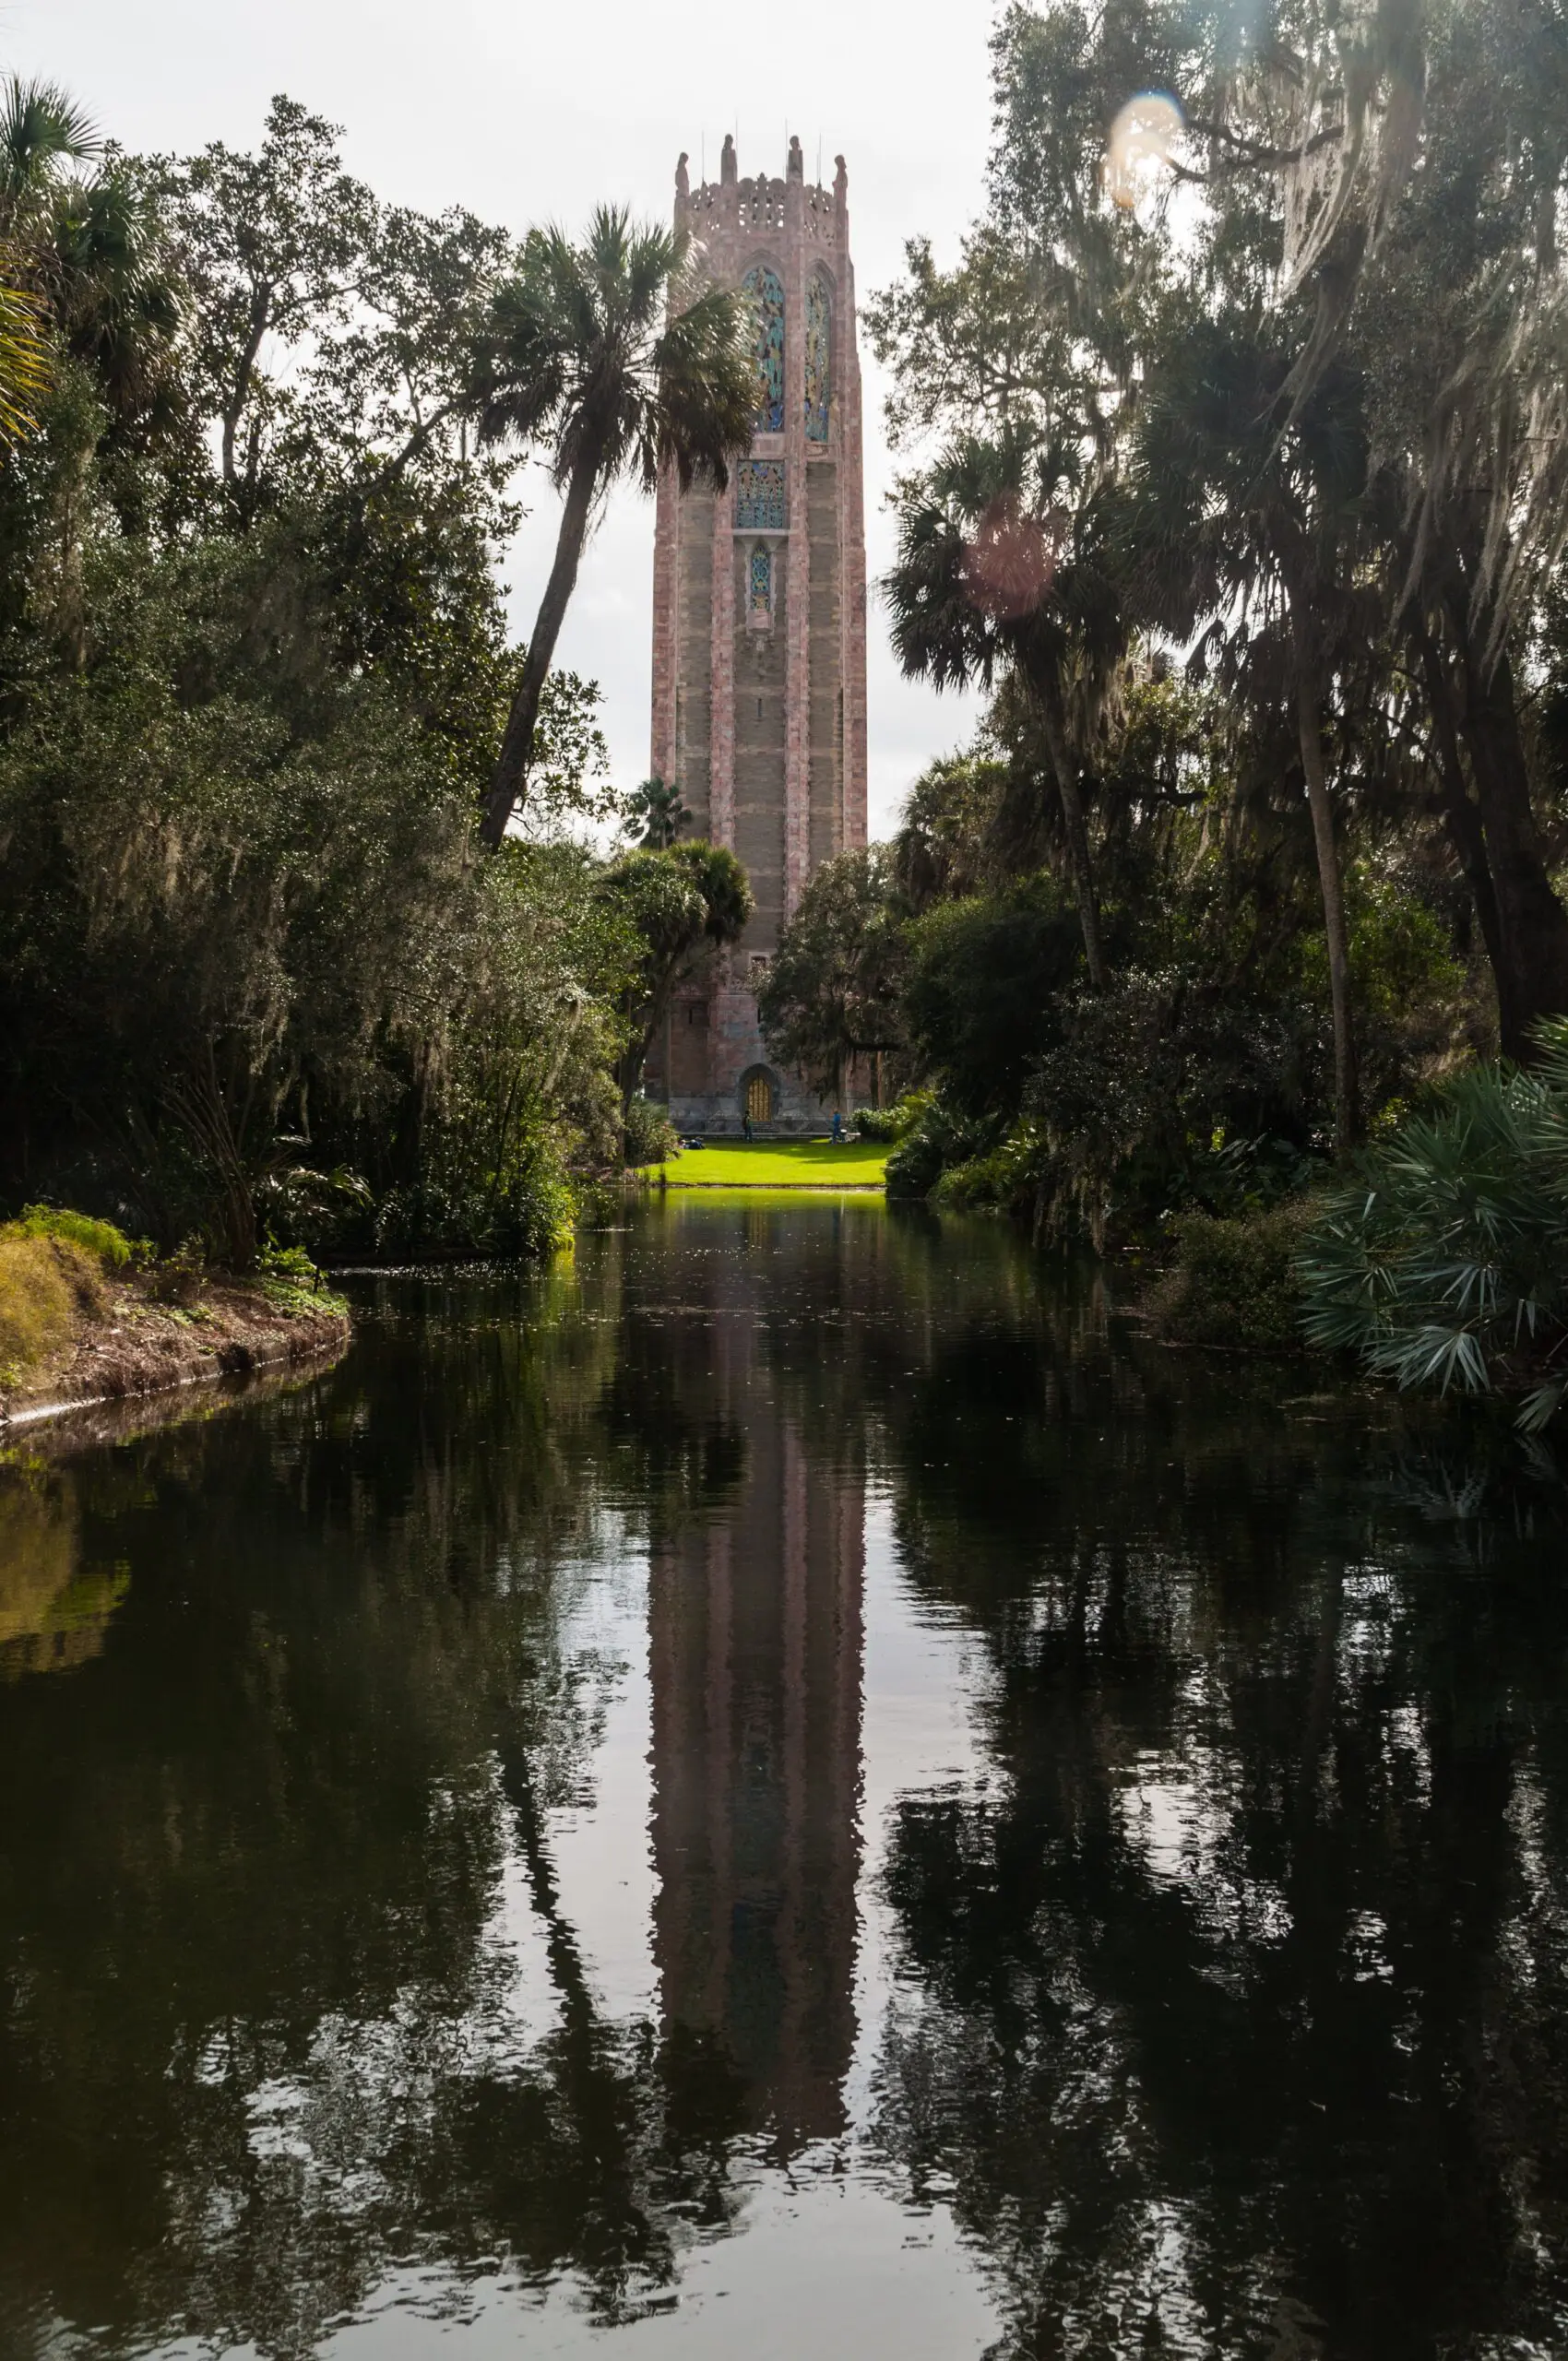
{"points": [[795, 1788]]}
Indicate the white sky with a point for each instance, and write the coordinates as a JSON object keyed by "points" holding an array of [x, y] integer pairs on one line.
{"points": [[530, 111]]}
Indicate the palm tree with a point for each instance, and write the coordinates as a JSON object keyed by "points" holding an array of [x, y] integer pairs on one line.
{"points": [[656, 813], [115, 299], [988, 578], [618, 355], [41, 127], [94, 272], [1244, 509], [674, 902], [81, 255]]}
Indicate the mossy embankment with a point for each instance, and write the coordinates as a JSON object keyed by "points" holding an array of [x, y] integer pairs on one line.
{"points": [[85, 1318]]}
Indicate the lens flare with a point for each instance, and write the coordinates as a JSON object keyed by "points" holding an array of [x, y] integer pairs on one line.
{"points": [[1143, 140], [1010, 559]]}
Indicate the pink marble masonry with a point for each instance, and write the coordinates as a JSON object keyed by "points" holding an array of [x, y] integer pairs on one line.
{"points": [[760, 668]]}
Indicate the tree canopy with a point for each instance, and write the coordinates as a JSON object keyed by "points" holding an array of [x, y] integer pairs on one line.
{"points": [[1232, 472], [255, 671]]}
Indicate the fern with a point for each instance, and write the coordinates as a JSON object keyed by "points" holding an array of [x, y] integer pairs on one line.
{"points": [[1444, 1261]]}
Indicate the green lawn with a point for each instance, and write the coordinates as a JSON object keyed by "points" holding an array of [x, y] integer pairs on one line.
{"points": [[777, 1164]]}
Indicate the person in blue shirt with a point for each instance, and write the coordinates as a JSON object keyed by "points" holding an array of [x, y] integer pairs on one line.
{"points": [[838, 1129]]}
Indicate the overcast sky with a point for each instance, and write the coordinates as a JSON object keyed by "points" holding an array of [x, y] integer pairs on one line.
{"points": [[529, 112]]}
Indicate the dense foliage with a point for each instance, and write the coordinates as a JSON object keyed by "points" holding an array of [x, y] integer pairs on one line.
{"points": [[1236, 474], [256, 973]]}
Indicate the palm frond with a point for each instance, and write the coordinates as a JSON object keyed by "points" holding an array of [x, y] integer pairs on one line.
{"points": [[41, 126], [24, 364], [1444, 1261], [613, 352]]}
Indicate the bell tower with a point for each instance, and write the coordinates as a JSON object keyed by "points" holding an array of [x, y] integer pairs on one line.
{"points": [[760, 623]]}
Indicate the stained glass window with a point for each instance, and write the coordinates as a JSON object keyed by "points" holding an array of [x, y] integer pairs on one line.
{"points": [[759, 496], [767, 293], [760, 576], [817, 357]]}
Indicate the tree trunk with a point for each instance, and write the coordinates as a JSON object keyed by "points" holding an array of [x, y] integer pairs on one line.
{"points": [[1532, 923], [1465, 833], [70, 600], [1077, 833], [633, 1060], [195, 1098], [516, 747], [238, 393], [1347, 1113]]}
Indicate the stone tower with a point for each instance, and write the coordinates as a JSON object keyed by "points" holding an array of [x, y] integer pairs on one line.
{"points": [[759, 624]]}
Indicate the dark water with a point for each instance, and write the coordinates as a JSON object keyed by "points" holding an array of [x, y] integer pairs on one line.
{"points": [[796, 1789]]}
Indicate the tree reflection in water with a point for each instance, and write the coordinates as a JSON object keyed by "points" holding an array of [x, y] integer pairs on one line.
{"points": [[1224, 2007], [1237, 2010]]}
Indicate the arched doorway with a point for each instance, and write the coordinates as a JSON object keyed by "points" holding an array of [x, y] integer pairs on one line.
{"points": [[759, 1095]]}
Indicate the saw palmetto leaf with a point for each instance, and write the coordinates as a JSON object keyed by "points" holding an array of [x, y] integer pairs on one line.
{"points": [[1444, 1261]]}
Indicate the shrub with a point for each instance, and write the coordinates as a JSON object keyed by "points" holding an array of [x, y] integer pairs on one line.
{"points": [[178, 1278], [887, 1122], [1235, 1280], [319, 1212], [525, 1211], [650, 1135], [914, 1168], [934, 1137], [291, 1282], [1445, 1261]]}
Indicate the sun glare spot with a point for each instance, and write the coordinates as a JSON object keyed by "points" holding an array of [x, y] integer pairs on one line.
{"points": [[1010, 559], [1142, 142]]}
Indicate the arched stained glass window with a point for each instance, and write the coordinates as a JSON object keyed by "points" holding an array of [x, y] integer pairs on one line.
{"points": [[766, 294], [759, 591], [818, 356]]}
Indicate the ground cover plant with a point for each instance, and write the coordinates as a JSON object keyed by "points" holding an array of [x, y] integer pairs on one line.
{"points": [[47, 1286]]}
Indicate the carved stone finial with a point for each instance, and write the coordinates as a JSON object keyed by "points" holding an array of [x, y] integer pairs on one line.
{"points": [[840, 183], [727, 161], [797, 162], [683, 181]]}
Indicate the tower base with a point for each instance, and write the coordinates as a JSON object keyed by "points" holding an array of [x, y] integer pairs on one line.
{"points": [[712, 1069]]}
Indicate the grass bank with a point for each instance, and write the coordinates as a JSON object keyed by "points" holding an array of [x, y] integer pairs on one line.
{"points": [[84, 1319], [776, 1164]]}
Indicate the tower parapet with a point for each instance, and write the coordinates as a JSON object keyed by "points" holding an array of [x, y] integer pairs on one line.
{"points": [[759, 711], [731, 204]]}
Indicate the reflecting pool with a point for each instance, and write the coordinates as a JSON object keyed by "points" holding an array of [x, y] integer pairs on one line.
{"points": [[794, 1787]]}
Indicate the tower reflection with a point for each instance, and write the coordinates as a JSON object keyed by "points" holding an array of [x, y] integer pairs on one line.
{"points": [[755, 1655]]}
